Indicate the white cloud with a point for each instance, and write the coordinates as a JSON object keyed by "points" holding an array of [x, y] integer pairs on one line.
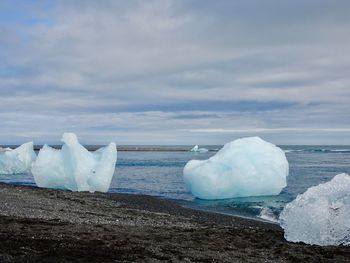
{"points": [[133, 68]]}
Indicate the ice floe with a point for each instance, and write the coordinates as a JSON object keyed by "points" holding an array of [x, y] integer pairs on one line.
{"points": [[74, 167], [19, 160], [321, 215], [244, 167]]}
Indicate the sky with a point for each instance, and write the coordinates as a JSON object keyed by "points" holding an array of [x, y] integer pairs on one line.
{"points": [[175, 72]]}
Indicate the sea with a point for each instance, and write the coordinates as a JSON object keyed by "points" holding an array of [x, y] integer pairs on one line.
{"points": [[158, 171]]}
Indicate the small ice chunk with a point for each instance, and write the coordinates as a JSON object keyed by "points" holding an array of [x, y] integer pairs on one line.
{"points": [[74, 167], [199, 150], [16, 161], [195, 148], [244, 167], [267, 214], [321, 215]]}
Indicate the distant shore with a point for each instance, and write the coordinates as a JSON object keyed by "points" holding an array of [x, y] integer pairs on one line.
{"points": [[133, 148], [42, 225], [187, 148]]}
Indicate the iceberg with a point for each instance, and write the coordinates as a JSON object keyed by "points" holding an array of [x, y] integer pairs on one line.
{"points": [[16, 161], [242, 168], [321, 215], [199, 150], [74, 167]]}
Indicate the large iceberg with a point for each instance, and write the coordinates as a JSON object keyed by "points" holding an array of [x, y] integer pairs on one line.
{"points": [[244, 167], [19, 160], [321, 215], [74, 167]]}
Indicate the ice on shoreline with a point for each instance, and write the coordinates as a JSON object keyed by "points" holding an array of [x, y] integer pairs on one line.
{"points": [[267, 214], [74, 167], [196, 149], [16, 161], [321, 215], [242, 168]]}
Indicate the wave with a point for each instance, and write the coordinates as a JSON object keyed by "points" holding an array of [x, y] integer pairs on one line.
{"points": [[292, 151], [319, 151]]}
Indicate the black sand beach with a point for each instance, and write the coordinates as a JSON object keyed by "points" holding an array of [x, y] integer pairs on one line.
{"points": [[41, 225]]}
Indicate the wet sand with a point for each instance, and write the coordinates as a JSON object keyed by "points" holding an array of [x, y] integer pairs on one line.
{"points": [[41, 225]]}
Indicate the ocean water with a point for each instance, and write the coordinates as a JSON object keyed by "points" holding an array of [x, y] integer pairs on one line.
{"points": [[157, 171]]}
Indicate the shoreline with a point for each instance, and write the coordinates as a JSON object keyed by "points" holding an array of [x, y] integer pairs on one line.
{"points": [[45, 225], [179, 202]]}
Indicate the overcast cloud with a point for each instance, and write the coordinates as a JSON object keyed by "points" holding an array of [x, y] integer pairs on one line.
{"points": [[175, 72]]}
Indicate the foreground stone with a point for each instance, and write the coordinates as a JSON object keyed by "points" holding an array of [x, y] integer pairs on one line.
{"points": [[41, 225]]}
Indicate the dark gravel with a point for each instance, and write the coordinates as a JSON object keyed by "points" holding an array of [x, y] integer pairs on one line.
{"points": [[42, 225]]}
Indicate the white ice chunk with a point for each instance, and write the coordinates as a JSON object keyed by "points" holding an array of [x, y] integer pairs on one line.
{"points": [[199, 150], [74, 167], [321, 215], [19, 160], [267, 214], [244, 167], [195, 148]]}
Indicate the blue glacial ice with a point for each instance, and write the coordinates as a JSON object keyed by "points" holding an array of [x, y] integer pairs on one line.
{"points": [[321, 215], [199, 150], [74, 167], [16, 161], [244, 167]]}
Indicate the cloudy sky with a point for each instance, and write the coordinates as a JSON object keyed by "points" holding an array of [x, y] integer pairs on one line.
{"points": [[175, 72]]}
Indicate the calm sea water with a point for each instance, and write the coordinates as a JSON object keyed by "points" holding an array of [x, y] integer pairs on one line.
{"points": [[159, 173]]}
